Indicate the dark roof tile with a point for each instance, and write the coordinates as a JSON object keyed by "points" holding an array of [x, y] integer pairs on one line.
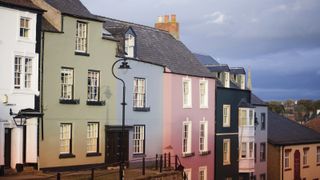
{"points": [[283, 131], [206, 59], [159, 47], [255, 100], [73, 8], [237, 70]]}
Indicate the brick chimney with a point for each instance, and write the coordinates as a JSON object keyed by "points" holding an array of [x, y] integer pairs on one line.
{"points": [[169, 24]]}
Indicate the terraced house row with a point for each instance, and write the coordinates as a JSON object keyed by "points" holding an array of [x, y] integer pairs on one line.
{"points": [[61, 104]]}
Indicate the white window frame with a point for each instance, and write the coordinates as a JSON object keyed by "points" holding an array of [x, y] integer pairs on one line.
{"points": [[129, 45], [263, 121], [188, 173], [24, 27], [92, 137], [67, 83], [81, 37], [187, 92], [65, 138], [93, 85], [318, 155], [243, 152], [287, 159], [305, 156], [138, 139], [23, 72], [203, 169], [203, 93], [139, 92], [186, 137], [203, 136], [243, 117], [251, 117], [226, 115], [226, 151]]}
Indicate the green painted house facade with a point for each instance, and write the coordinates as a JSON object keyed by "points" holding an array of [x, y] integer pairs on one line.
{"points": [[77, 86]]}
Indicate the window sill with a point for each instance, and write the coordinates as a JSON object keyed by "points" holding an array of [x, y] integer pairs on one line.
{"points": [[96, 103], [204, 107], [69, 101], [64, 156], [204, 153], [227, 163], [287, 169], [187, 107], [93, 154], [138, 155], [81, 54], [185, 155], [305, 166], [141, 109]]}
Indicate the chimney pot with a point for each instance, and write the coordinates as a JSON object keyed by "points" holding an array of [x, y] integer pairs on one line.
{"points": [[160, 19], [166, 18], [173, 18]]}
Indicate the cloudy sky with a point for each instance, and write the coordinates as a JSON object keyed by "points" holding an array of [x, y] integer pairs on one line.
{"points": [[279, 40]]}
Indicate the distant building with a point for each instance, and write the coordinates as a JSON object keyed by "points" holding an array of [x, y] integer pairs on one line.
{"points": [[293, 150]]}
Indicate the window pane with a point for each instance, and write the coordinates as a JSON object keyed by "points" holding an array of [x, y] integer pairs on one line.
{"points": [[81, 37], [66, 83]]}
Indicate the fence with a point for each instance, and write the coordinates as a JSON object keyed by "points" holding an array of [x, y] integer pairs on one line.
{"points": [[139, 168]]}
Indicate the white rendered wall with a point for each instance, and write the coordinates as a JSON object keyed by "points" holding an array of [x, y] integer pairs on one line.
{"points": [[31, 141], [11, 44]]}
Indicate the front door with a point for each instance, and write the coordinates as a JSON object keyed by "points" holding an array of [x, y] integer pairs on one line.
{"points": [[113, 140], [297, 165], [7, 148]]}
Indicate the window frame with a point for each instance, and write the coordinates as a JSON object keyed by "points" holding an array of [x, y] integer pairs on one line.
{"points": [[262, 152], [305, 162], [243, 154], [263, 121], [226, 161], [286, 157], [263, 176], [204, 137], [67, 84], [97, 139], [251, 150], [188, 172], [92, 87], [205, 172], [80, 39], [203, 98], [318, 155], [228, 116], [24, 32], [141, 141], [25, 74], [187, 98], [187, 148], [137, 93], [129, 44], [61, 139]]}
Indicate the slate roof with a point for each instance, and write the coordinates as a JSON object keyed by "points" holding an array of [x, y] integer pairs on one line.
{"points": [[158, 47], [23, 4], [237, 70], [244, 104], [73, 8], [255, 100], [283, 131], [218, 68], [206, 59]]}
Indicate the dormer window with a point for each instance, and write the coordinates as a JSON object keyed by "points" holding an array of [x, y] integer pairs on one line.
{"points": [[130, 45], [226, 79]]}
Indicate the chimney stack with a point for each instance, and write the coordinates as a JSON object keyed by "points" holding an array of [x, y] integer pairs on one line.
{"points": [[168, 24]]}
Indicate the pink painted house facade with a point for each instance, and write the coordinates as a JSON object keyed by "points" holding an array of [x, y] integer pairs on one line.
{"points": [[189, 123]]}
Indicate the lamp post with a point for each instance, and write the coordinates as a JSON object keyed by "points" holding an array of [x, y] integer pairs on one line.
{"points": [[124, 66]]}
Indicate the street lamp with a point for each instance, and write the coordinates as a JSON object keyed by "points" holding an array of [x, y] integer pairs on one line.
{"points": [[124, 67]]}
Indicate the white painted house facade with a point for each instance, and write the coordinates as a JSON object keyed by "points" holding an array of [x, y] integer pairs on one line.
{"points": [[18, 83]]}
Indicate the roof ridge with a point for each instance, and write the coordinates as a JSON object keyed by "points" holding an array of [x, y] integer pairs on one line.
{"points": [[131, 23], [236, 67]]}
